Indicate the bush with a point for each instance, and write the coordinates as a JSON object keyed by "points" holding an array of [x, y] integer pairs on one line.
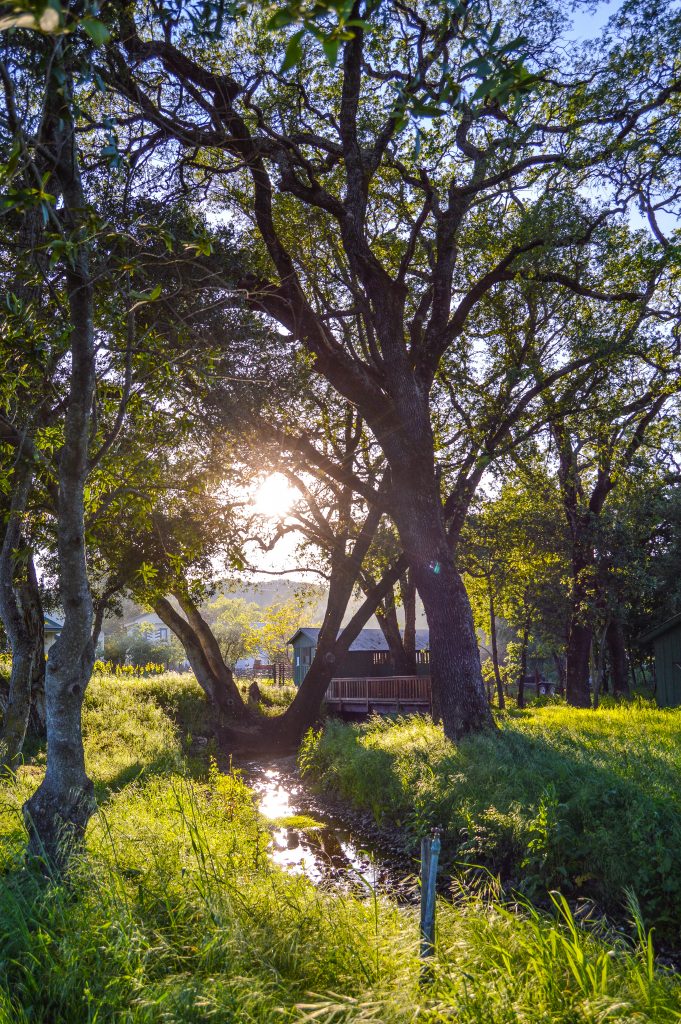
{"points": [[586, 802]]}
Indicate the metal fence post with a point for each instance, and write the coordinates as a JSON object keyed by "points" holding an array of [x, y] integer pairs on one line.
{"points": [[430, 853]]}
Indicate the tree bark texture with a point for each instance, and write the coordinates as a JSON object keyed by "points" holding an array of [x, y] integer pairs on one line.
{"points": [[416, 507], [58, 812], [34, 616]]}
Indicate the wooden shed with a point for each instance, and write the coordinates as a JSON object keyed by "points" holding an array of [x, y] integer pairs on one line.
{"points": [[666, 641], [367, 657]]}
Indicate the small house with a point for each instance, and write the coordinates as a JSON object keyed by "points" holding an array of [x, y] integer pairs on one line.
{"points": [[368, 655], [666, 641], [52, 629]]}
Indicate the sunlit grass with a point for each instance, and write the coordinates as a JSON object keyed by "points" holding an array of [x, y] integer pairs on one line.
{"points": [[587, 802], [176, 914]]}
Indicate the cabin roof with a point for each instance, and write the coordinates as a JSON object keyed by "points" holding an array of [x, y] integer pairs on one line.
{"points": [[660, 630], [368, 639], [52, 625]]}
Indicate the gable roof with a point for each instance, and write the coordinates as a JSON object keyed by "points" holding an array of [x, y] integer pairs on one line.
{"points": [[52, 625], [367, 640], [664, 627]]}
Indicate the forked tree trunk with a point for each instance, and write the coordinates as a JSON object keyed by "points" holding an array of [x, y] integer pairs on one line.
{"points": [[58, 812], [495, 652], [332, 645]]}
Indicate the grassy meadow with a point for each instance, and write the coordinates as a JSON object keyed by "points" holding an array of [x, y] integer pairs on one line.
{"points": [[587, 802], [174, 913]]}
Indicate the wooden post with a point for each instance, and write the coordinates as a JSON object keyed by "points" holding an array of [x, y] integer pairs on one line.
{"points": [[430, 853]]}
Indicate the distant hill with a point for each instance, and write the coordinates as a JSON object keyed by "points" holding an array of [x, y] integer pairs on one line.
{"points": [[265, 593]]}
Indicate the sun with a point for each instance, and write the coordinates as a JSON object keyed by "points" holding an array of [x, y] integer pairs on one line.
{"points": [[274, 496]]}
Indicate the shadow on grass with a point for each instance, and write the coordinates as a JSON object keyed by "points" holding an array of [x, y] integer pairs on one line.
{"points": [[586, 817]]}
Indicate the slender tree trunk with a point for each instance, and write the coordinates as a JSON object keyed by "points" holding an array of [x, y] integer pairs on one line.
{"points": [[15, 719], [58, 812], [523, 665], [619, 663], [560, 670], [495, 652], [599, 672], [34, 617], [386, 615], [580, 634], [408, 592]]}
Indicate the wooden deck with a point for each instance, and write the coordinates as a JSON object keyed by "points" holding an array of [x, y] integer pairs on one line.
{"points": [[380, 694]]}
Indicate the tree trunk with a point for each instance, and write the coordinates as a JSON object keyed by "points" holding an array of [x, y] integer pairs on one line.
{"points": [[599, 672], [229, 691], [227, 700], [386, 615], [58, 812], [458, 688], [523, 665], [332, 645], [619, 663], [580, 634], [560, 670], [34, 617], [15, 720], [408, 592], [495, 652]]}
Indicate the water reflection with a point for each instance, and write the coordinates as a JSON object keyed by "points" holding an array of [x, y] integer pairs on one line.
{"points": [[320, 849]]}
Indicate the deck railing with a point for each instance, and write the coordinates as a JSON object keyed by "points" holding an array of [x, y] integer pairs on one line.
{"points": [[390, 690]]}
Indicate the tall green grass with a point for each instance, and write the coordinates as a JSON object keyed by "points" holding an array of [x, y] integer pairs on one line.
{"points": [[174, 913], [587, 802]]}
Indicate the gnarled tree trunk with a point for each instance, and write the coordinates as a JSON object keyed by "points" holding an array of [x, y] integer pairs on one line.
{"points": [[212, 675]]}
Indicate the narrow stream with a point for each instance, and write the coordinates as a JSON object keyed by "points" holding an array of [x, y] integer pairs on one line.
{"points": [[307, 840]]}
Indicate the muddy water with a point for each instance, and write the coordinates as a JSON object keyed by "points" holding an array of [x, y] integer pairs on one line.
{"points": [[321, 846]]}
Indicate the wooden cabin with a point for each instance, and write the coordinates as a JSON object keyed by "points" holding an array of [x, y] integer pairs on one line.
{"points": [[364, 679], [666, 641]]}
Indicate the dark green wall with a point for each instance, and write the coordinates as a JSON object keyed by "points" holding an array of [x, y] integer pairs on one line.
{"points": [[668, 668]]}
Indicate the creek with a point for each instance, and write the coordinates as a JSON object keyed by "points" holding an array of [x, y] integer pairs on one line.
{"points": [[338, 849]]}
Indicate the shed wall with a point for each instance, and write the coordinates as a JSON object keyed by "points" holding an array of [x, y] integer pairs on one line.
{"points": [[668, 668]]}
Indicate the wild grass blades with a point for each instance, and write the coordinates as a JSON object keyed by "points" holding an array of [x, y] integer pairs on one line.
{"points": [[585, 802], [175, 914]]}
